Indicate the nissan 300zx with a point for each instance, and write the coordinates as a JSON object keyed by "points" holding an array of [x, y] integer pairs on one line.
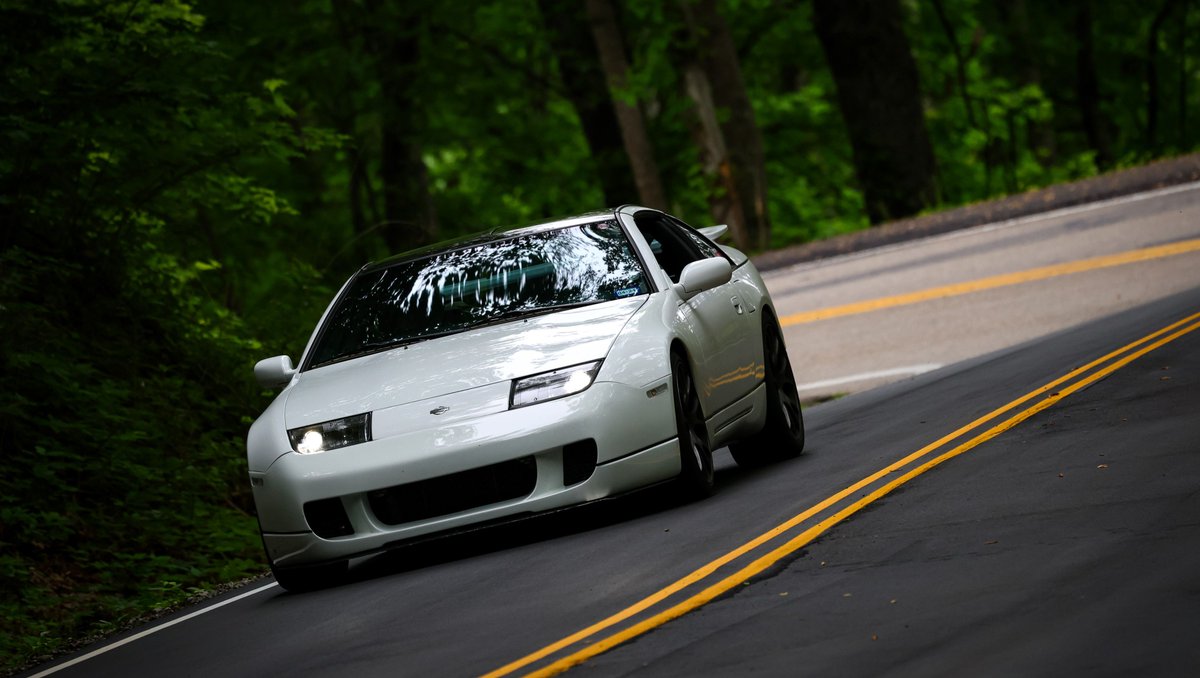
{"points": [[515, 372]]}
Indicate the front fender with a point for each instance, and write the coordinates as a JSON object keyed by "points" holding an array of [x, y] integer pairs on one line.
{"points": [[267, 439]]}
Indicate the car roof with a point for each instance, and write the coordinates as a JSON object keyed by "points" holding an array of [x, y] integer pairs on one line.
{"points": [[481, 237]]}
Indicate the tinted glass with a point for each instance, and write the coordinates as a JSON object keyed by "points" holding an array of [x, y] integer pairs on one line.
{"points": [[705, 246], [494, 282], [673, 244]]}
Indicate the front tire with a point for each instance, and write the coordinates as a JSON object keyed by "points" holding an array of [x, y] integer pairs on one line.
{"points": [[782, 437], [695, 456]]}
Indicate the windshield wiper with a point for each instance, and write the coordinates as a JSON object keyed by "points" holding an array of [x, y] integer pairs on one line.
{"points": [[517, 313], [379, 346]]}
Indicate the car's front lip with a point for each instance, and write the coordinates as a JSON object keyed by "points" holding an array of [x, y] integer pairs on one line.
{"points": [[633, 433]]}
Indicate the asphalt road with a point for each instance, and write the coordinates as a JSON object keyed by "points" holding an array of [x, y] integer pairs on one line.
{"points": [[1065, 543]]}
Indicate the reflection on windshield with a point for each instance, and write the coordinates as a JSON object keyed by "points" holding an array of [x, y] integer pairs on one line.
{"points": [[458, 289]]}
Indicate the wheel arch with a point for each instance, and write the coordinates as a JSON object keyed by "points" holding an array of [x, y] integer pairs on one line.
{"points": [[677, 345]]}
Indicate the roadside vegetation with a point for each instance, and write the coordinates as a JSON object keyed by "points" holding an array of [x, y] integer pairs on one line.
{"points": [[183, 186]]}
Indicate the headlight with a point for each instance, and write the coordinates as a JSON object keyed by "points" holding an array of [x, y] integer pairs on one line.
{"points": [[331, 435], [550, 385]]}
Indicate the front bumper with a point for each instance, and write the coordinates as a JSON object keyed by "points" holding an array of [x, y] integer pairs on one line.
{"points": [[634, 445]]}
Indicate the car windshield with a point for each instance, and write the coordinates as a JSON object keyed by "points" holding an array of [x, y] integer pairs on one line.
{"points": [[458, 289]]}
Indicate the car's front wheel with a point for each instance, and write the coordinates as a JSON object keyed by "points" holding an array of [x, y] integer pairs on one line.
{"points": [[783, 434], [696, 476]]}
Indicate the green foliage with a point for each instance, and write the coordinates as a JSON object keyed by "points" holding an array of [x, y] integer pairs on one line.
{"points": [[1022, 76], [122, 412]]}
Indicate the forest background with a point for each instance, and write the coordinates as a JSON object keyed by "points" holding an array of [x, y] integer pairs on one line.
{"points": [[184, 186]]}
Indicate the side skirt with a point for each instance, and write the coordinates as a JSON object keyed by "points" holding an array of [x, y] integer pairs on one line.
{"points": [[744, 417]]}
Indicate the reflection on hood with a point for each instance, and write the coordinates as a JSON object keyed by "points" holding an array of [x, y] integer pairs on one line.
{"points": [[476, 357]]}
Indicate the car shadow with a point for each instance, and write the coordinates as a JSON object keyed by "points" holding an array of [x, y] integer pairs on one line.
{"points": [[729, 475]]}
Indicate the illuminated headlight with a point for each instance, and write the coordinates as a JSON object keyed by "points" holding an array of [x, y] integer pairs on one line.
{"points": [[331, 435], [550, 385]]}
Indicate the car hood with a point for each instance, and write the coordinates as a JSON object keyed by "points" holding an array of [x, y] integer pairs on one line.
{"points": [[459, 362]]}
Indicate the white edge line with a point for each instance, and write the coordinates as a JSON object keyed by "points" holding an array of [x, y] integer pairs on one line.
{"points": [[910, 371], [156, 629], [985, 228]]}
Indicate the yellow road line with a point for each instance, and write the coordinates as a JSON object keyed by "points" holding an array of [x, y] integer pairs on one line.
{"points": [[711, 567], [956, 289]]}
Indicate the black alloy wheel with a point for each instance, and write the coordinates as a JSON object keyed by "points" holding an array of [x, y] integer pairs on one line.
{"points": [[783, 435], [695, 456]]}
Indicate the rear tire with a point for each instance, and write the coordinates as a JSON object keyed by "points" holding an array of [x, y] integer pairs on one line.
{"points": [[310, 577], [695, 456], [782, 437]]}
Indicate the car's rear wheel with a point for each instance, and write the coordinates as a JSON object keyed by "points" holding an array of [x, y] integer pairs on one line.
{"points": [[310, 577], [783, 435], [696, 476]]}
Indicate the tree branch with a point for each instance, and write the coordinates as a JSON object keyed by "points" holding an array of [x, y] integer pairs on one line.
{"points": [[499, 56], [960, 65]]}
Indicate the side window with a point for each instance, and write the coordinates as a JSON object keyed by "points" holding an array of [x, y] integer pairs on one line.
{"points": [[672, 248]]}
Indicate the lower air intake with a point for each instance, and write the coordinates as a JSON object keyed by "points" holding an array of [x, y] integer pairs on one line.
{"points": [[579, 461], [327, 518], [453, 493]]}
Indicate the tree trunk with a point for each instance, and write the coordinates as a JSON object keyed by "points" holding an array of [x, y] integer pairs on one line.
{"points": [[583, 79], [1088, 87], [741, 168], [1152, 75], [878, 93], [394, 42], [407, 205], [1183, 76], [607, 35], [355, 192], [724, 202]]}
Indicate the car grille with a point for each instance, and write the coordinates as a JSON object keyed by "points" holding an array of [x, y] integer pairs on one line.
{"points": [[453, 493]]}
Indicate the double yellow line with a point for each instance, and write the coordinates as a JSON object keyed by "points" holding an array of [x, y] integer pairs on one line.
{"points": [[909, 467]]}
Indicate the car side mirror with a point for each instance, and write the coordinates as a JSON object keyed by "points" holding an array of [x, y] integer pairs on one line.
{"points": [[702, 275], [274, 372]]}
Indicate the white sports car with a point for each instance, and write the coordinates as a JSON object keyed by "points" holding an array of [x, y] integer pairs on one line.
{"points": [[514, 372]]}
